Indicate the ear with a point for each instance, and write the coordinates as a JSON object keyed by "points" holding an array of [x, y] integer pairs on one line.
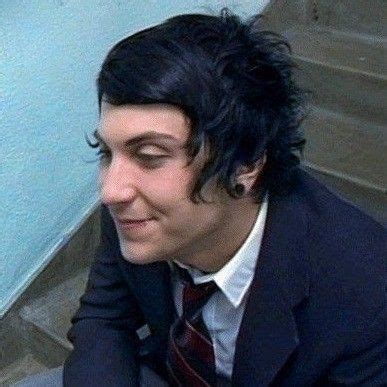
{"points": [[248, 175]]}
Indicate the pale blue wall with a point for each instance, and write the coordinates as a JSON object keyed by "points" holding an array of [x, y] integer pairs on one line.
{"points": [[50, 52]]}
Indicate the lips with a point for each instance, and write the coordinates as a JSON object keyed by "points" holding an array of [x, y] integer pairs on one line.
{"points": [[133, 223], [133, 220]]}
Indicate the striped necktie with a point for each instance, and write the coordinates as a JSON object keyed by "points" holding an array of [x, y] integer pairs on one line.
{"points": [[190, 356]]}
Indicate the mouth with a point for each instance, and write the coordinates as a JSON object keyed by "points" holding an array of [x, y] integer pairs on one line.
{"points": [[133, 224]]}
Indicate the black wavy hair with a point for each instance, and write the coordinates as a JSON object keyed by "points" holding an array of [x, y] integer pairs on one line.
{"points": [[233, 80]]}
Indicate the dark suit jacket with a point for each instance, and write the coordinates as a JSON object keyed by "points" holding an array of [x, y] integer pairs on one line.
{"points": [[315, 316]]}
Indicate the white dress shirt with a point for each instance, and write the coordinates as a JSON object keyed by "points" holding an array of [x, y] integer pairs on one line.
{"points": [[224, 310]]}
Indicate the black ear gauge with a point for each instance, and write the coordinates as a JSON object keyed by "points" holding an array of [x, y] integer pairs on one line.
{"points": [[239, 189]]}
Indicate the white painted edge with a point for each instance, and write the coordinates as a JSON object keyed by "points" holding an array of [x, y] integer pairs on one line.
{"points": [[344, 176], [67, 234]]}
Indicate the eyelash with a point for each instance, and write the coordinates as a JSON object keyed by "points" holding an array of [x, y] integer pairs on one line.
{"points": [[103, 154], [150, 161]]}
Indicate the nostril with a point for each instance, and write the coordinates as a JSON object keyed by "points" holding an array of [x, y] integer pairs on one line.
{"points": [[116, 192]]}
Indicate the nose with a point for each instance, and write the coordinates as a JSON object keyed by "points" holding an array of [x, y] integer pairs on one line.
{"points": [[116, 184]]}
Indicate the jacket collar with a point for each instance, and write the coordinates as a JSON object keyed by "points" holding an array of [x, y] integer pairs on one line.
{"points": [[268, 333]]}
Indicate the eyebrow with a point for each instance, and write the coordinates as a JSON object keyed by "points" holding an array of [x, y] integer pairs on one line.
{"points": [[147, 136]]}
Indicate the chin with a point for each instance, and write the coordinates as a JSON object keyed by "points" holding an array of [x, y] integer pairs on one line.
{"points": [[138, 254]]}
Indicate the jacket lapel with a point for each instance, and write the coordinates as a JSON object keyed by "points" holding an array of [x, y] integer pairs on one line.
{"points": [[268, 333], [156, 302]]}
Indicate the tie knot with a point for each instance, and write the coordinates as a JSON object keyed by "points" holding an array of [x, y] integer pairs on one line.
{"points": [[196, 296]]}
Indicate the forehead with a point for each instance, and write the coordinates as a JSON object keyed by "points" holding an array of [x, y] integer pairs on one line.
{"points": [[118, 123]]}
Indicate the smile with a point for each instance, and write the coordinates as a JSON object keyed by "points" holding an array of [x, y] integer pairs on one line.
{"points": [[133, 224]]}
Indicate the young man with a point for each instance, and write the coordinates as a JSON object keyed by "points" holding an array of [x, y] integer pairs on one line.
{"points": [[221, 262]]}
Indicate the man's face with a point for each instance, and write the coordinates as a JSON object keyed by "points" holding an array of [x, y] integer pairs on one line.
{"points": [[146, 185]]}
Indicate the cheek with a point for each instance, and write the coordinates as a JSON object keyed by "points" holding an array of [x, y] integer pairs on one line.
{"points": [[169, 189], [168, 192], [187, 220]]}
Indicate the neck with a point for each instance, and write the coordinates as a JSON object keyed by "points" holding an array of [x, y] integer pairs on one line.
{"points": [[222, 245]]}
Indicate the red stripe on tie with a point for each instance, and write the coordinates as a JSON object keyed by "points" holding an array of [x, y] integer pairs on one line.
{"points": [[181, 371], [190, 355]]}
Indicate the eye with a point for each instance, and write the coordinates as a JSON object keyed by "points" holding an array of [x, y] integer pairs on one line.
{"points": [[151, 156], [150, 151]]}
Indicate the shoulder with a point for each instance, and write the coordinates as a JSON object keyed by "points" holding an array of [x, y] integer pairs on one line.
{"points": [[330, 221], [336, 223], [328, 213], [346, 255]]}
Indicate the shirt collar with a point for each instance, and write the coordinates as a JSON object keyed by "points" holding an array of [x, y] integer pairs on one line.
{"points": [[235, 277]]}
